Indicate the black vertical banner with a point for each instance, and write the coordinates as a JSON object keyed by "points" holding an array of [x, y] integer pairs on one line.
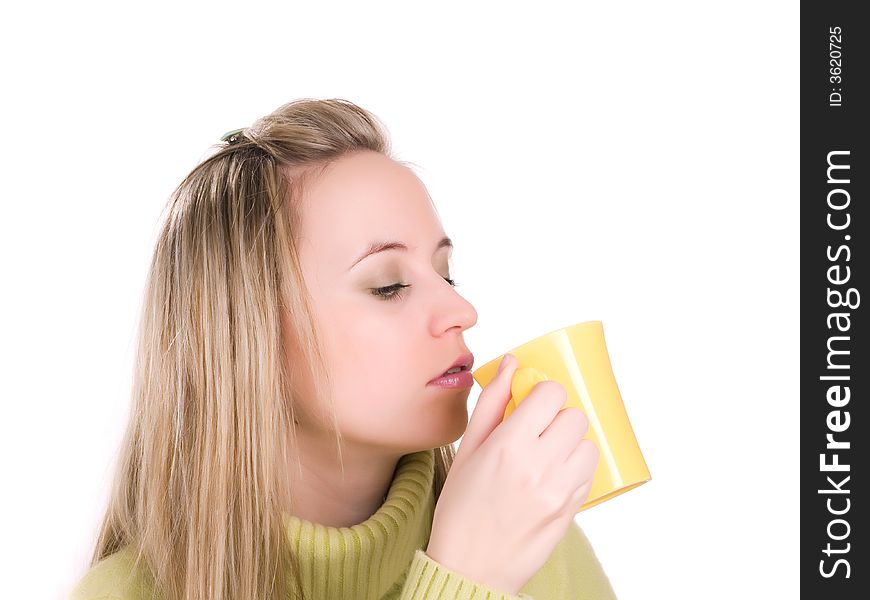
{"points": [[835, 366]]}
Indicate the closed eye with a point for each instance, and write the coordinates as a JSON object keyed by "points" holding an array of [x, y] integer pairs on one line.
{"points": [[394, 292]]}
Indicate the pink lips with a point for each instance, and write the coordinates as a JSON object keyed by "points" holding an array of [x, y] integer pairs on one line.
{"points": [[459, 379], [462, 379]]}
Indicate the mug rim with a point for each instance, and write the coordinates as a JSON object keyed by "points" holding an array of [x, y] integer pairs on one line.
{"points": [[540, 337]]}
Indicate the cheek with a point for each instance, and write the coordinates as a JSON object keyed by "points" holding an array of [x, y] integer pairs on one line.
{"points": [[371, 341], [379, 360], [376, 375]]}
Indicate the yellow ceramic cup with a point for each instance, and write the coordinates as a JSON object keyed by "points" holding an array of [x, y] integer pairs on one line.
{"points": [[576, 356]]}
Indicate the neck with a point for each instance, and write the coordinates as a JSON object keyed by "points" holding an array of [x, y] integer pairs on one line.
{"points": [[321, 492], [375, 554]]}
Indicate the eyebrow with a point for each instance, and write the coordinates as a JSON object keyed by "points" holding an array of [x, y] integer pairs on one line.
{"points": [[376, 247]]}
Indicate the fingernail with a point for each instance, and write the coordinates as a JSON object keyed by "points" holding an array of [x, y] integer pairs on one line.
{"points": [[503, 363]]}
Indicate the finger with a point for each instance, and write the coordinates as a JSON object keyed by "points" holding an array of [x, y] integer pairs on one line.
{"points": [[561, 437], [537, 411], [579, 468], [490, 407], [579, 497]]}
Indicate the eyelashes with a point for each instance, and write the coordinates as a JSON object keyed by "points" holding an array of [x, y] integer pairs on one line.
{"points": [[394, 292]]}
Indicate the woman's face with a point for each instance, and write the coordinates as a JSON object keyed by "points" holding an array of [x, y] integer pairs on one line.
{"points": [[382, 352]]}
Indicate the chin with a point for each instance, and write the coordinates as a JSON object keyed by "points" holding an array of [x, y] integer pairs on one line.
{"points": [[447, 431], [459, 429]]}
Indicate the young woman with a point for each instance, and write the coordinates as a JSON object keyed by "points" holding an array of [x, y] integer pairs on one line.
{"points": [[291, 434]]}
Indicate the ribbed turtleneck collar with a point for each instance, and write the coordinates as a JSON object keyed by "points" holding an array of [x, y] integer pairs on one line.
{"points": [[367, 560]]}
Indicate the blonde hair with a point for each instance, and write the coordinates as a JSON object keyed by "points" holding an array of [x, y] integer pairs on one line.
{"points": [[201, 479]]}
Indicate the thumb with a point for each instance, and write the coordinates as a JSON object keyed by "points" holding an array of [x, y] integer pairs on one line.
{"points": [[490, 407]]}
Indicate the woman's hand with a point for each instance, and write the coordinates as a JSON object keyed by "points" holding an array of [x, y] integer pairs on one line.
{"points": [[514, 486]]}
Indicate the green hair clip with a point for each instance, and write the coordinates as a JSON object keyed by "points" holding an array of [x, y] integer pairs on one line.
{"points": [[229, 135]]}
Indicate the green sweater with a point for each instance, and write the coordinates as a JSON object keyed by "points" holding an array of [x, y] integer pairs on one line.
{"points": [[383, 557]]}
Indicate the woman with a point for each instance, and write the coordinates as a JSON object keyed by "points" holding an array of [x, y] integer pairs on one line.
{"points": [[286, 439]]}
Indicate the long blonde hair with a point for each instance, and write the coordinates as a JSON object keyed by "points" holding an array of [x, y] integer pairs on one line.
{"points": [[201, 479]]}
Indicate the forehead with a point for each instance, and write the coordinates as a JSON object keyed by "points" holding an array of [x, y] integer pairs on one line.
{"points": [[362, 198]]}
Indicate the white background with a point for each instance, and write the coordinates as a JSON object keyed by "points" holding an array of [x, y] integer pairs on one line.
{"points": [[634, 163]]}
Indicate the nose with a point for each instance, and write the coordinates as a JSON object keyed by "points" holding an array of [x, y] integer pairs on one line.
{"points": [[452, 310]]}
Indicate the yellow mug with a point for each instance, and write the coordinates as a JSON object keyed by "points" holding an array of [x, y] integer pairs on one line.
{"points": [[576, 356]]}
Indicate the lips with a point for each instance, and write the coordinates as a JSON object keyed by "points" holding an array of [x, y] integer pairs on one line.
{"points": [[465, 361]]}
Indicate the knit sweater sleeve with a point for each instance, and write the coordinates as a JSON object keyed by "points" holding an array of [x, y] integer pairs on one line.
{"points": [[572, 572], [430, 580]]}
